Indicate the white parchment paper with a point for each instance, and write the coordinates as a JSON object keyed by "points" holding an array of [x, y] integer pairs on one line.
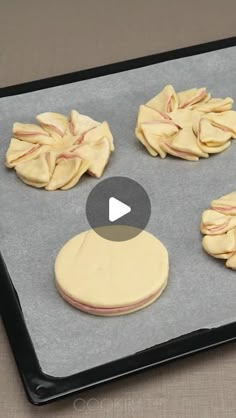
{"points": [[35, 224]]}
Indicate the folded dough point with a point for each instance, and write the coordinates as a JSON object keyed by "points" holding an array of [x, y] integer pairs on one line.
{"points": [[34, 172], [219, 246], [110, 278], [20, 151], [219, 225], [67, 173], [225, 204]]}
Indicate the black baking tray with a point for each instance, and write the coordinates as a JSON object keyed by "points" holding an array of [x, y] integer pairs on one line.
{"points": [[42, 388]]}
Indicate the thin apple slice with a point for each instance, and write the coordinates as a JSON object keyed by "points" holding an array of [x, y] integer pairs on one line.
{"points": [[78, 123], [94, 135], [67, 172], [20, 151], [216, 105], [165, 101], [216, 223], [189, 97], [146, 114], [180, 154], [209, 143], [204, 100], [225, 121], [31, 133], [212, 135], [156, 132], [97, 154], [185, 142], [53, 123], [225, 204]]}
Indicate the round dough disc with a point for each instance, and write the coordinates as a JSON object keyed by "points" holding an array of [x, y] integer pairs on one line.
{"points": [[109, 278]]}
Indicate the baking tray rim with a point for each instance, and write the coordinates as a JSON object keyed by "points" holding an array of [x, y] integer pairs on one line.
{"points": [[40, 387]]}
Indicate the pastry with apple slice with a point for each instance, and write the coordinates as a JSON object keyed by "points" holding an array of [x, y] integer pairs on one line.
{"points": [[203, 125], [57, 153], [218, 224]]}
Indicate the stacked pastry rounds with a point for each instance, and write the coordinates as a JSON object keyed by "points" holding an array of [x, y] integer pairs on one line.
{"points": [[109, 278], [57, 153], [219, 226], [189, 124]]}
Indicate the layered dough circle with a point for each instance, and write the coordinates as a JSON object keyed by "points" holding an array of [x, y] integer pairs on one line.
{"points": [[189, 124], [57, 153], [219, 226], [110, 278]]}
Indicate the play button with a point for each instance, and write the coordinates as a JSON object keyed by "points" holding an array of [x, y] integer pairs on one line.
{"points": [[118, 208]]}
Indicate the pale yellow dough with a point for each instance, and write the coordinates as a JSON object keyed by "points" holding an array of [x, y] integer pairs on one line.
{"points": [[108, 274], [188, 124], [57, 153], [219, 225]]}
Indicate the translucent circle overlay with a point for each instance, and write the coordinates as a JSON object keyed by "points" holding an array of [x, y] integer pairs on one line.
{"points": [[129, 192]]}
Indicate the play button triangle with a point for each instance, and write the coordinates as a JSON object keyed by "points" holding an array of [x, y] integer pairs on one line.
{"points": [[117, 209]]}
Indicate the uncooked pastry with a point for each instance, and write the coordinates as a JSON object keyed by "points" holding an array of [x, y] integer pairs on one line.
{"points": [[110, 278], [219, 225], [57, 153], [188, 124]]}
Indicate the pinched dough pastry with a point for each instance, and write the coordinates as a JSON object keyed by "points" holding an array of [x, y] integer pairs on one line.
{"points": [[57, 153], [188, 124], [219, 225], [123, 277]]}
